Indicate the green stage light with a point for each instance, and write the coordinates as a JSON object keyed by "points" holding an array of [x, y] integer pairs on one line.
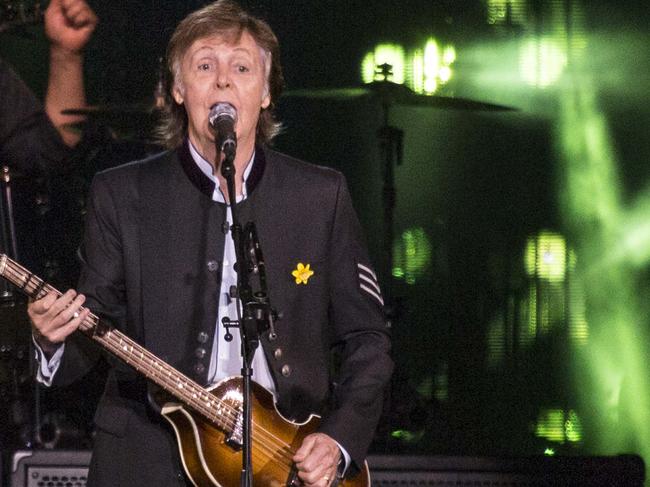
{"points": [[431, 67], [412, 255], [448, 56], [556, 39], [555, 298], [572, 427], [553, 301], [444, 74], [406, 436], [559, 426], [634, 246], [550, 425], [546, 256], [528, 334], [542, 61], [417, 71], [610, 237], [423, 70], [504, 12], [577, 319], [392, 54]]}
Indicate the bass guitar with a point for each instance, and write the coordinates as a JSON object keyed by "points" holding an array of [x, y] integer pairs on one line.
{"points": [[208, 422]]}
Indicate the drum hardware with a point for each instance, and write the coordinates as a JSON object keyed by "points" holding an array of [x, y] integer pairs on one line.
{"points": [[136, 121], [390, 93], [15, 15], [124, 122], [8, 230], [29, 423], [14, 328], [390, 142]]}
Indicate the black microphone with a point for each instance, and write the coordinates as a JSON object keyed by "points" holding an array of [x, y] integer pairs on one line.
{"points": [[222, 118]]}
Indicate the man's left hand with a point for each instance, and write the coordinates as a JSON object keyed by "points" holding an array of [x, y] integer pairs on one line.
{"points": [[317, 460], [69, 24]]}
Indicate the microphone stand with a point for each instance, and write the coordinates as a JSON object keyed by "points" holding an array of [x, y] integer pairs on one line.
{"points": [[256, 314]]}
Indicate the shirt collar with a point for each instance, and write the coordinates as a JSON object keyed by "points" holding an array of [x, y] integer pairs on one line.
{"points": [[206, 168]]}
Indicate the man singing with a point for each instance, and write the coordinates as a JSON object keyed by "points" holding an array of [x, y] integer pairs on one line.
{"points": [[158, 264]]}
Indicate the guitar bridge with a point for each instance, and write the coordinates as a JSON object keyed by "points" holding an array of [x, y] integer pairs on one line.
{"points": [[235, 438]]}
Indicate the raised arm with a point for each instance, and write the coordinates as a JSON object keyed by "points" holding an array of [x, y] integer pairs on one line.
{"points": [[68, 26]]}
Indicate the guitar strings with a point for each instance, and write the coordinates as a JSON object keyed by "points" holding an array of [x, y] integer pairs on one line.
{"points": [[201, 401], [39, 289]]}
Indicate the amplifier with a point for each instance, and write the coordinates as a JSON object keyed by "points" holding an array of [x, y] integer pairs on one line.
{"points": [[69, 468], [50, 468], [542, 471]]}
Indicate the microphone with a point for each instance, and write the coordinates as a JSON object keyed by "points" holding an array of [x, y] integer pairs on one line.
{"points": [[222, 119]]}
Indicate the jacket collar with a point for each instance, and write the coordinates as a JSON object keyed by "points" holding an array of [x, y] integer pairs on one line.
{"points": [[204, 184]]}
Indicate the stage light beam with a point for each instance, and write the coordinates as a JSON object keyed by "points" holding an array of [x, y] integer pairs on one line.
{"points": [[609, 237]]}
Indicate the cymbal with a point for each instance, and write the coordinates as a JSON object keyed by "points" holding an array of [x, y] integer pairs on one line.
{"points": [[390, 93], [106, 112], [127, 120]]}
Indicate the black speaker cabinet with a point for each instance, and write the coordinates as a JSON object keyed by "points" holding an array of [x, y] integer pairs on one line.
{"points": [[69, 468], [403, 471], [50, 468]]}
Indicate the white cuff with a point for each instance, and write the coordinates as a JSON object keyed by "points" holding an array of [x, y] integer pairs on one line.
{"points": [[345, 457], [47, 368]]}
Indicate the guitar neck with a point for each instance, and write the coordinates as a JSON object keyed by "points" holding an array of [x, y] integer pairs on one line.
{"points": [[124, 348]]}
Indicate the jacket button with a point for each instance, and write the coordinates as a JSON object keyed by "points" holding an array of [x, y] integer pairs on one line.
{"points": [[286, 370], [199, 368], [213, 265], [277, 353], [199, 352], [202, 337]]}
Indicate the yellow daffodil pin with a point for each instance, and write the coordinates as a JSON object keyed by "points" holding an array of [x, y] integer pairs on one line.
{"points": [[302, 273]]}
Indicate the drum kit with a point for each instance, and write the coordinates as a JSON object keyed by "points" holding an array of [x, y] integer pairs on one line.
{"points": [[112, 135]]}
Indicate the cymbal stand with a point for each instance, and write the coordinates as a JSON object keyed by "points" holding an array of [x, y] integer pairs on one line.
{"points": [[391, 148], [9, 243]]}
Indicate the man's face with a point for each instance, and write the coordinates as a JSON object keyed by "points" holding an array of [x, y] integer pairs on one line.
{"points": [[213, 70]]}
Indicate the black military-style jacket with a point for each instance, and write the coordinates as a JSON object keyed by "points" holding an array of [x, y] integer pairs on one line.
{"points": [[153, 249]]}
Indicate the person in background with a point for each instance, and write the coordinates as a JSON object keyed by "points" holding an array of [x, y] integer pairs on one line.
{"points": [[33, 138]]}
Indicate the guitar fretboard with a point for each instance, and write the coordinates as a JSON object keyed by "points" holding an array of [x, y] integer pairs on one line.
{"points": [[223, 415]]}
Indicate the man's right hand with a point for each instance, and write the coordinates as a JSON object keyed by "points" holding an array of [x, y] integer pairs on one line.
{"points": [[53, 318]]}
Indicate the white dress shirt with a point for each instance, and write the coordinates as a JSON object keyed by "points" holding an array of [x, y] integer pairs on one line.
{"points": [[226, 356]]}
